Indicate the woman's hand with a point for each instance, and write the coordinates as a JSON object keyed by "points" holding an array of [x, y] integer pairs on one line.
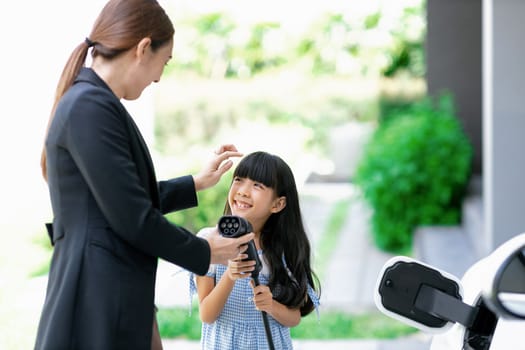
{"points": [[223, 249], [263, 298], [217, 166], [238, 269]]}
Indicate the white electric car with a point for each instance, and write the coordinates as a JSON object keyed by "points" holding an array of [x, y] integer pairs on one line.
{"points": [[485, 310]]}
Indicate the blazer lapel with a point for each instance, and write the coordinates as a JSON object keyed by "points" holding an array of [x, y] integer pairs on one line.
{"points": [[139, 148]]}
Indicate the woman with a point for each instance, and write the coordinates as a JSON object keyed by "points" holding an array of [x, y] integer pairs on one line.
{"points": [[108, 228]]}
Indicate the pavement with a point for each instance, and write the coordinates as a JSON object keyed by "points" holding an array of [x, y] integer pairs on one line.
{"points": [[348, 285], [418, 342]]}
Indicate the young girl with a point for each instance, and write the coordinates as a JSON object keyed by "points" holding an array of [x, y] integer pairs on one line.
{"points": [[263, 191]]}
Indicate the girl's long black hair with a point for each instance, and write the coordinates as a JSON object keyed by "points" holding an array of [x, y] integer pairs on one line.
{"points": [[283, 234]]}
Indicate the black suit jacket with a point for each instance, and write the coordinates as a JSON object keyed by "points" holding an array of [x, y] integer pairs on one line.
{"points": [[108, 227]]}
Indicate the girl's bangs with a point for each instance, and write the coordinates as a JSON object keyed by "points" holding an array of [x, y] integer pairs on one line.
{"points": [[258, 167]]}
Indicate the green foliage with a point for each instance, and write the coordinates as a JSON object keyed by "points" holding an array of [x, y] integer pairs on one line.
{"points": [[340, 325], [407, 54], [42, 242], [210, 112], [414, 171], [216, 45], [210, 208], [372, 20], [177, 323], [254, 56], [331, 236], [215, 23]]}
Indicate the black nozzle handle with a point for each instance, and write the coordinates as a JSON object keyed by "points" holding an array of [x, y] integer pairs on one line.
{"points": [[252, 255], [233, 226]]}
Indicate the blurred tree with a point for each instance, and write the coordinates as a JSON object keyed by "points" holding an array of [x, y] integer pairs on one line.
{"points": [[336, 44]]}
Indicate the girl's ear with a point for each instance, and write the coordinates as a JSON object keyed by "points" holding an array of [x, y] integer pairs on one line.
{"points": [[278, 204]]}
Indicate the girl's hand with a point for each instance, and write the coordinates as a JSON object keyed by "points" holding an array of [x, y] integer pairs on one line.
{"points": [[263, 298], [238, 269], [217, 166]]}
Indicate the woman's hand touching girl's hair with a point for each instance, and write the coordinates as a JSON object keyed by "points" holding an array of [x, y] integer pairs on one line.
{"points": [[217, 166]]}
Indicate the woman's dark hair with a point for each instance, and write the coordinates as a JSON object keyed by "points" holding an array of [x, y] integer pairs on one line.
{"points": [[283, 234], [119, 27]]}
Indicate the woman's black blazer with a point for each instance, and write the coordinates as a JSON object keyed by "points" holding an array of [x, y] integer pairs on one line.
{"points": [[108, 226]]}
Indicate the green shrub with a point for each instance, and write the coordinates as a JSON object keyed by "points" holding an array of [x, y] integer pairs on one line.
{"points": [[414, 171], [209, 210], [177, 323], [334, 324]]}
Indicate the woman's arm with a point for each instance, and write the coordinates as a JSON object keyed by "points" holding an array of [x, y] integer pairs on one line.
{"points": [[264, 301], [177, 194], [180, 193], [98, 138]]}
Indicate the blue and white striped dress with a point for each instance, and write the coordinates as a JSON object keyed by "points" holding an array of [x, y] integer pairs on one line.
{"points": [[240, 325]]}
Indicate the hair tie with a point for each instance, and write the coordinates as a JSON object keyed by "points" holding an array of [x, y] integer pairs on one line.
{"points": [[89, 42]]}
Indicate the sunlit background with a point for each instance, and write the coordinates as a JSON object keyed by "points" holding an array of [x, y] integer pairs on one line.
{"points": [[303, 79], [40, 35]]}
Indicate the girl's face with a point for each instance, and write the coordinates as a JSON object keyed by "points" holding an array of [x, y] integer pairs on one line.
{"points": [[253, 201]]}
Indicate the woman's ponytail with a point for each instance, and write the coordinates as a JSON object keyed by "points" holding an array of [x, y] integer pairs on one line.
{"points": [[75, 62]]}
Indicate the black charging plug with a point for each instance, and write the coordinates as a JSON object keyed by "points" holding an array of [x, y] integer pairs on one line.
{"points": [[232, 226]]}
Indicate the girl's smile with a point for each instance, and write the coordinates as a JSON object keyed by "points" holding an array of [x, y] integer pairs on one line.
{"points": [[238, 204]]}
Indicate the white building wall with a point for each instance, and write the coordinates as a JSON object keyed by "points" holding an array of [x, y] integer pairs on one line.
{"points": [[503, 120]]}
